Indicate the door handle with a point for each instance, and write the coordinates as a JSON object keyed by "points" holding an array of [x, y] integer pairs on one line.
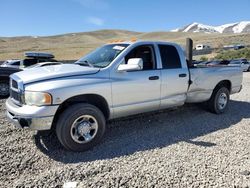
{"points": [[182, 75], [153, 78]]}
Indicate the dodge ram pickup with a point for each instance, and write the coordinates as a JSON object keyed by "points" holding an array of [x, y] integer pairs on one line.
{"points": [[116, 80]]}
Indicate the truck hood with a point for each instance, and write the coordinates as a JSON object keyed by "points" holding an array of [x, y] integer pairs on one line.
{"points": [[54, 71]]}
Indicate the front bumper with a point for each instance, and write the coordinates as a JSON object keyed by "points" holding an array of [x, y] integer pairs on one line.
{"points": [[33, 117]]}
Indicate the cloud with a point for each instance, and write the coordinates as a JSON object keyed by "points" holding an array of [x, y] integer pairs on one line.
{"points": [[95, 21], [94, 4]]}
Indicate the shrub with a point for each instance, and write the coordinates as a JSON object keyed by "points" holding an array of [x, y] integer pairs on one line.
{"points": [[234, 54], [203, 58]]}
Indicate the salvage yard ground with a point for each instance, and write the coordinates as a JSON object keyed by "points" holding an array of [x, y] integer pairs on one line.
{"points": [[184, 147]]}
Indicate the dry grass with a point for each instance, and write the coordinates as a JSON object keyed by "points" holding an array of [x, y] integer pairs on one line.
{"points": [[74, 45]]}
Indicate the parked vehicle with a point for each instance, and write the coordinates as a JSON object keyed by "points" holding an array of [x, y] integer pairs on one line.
{"points": [[195, 63], [239, 46], [218, 63], [115, 80], [33, 59], [44, 64], [214, 63], [202, 47], [5, 72], [243, 63], [14, 63], [235, 47]]}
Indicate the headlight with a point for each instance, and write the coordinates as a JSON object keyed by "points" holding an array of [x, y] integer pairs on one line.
{"points": [[34, 98]]}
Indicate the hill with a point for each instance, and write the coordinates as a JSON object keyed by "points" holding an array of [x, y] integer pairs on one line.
{"points": [[74, 45]]}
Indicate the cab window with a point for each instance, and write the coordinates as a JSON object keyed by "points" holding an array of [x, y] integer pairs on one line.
{"points": [[146, 53], [169, 57]]}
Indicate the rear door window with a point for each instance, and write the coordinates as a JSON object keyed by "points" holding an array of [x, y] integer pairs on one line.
{"points": [[169, 57]]}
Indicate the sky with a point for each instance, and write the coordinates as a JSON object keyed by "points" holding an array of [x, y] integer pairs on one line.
{"points": [[51, 17]]}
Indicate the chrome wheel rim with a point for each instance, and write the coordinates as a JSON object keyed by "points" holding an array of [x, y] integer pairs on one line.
{"points": [[84, 129], [4, 89], [222, 101]]}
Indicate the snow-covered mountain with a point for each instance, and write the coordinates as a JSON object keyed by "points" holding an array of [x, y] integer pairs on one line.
{"points": [[239, 27]]}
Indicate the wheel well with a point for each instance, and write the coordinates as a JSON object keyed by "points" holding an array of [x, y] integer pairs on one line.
{"points": [[93, 99], [224, 83]]}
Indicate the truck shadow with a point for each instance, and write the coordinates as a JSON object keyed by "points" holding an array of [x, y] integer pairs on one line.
{"points": [[150, 131]]}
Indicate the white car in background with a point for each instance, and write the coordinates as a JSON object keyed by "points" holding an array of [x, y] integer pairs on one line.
{"points": [[202, 47], [42, 65], [31, 58], [13, 63], [243, 63]]}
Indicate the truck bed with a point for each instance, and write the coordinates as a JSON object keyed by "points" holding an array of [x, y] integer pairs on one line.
{"points": [[204, 79]]}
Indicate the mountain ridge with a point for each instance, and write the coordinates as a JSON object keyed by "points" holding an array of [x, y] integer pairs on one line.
{"points": [[232, 28]]}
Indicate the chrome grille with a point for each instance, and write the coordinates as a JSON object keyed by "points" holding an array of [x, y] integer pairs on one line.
{"points": [[16, 92], [16, 96], [14, 84]]}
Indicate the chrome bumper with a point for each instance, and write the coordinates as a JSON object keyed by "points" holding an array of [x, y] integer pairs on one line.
{"points": [[42, 123], [33, 117]]}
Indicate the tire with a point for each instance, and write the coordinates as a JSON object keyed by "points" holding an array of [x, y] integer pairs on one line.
{"points": [[4, 88], [44, 133], [80, 127], [219, 100]]}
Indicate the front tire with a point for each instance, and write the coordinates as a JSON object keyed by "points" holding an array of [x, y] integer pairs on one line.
{"points": [[80, 127], [219, 100]]}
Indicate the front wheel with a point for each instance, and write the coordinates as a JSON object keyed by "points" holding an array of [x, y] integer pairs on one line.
{"points": [[4, 88], [80, 127], [219, 100]]}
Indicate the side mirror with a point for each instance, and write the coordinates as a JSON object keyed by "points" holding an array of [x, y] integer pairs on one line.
{"points": [[133, 64]]}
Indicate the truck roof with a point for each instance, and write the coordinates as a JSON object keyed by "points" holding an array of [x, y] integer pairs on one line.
{"points": [[140, 41]]}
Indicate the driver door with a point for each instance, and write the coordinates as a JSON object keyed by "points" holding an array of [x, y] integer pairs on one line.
{"points": [[135, 92]]}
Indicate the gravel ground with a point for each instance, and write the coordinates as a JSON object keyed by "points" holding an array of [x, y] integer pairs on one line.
{"points": [[185, 147]]}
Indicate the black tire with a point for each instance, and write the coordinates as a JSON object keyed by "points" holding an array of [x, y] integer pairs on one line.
{"points": [[213, 103], [4, 88], [65, 127], [44, 133]]}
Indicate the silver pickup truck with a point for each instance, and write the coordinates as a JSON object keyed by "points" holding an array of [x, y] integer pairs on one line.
{"points": [[115, 80]]}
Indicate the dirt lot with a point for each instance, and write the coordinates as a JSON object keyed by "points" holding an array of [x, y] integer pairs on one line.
{"points": [[186, 147]]}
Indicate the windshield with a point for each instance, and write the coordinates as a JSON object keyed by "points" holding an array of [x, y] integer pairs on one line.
{"points": [[103, 56], [17, 62]]}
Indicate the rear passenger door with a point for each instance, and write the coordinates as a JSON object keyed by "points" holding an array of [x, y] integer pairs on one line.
{"points": [[175, 75]]}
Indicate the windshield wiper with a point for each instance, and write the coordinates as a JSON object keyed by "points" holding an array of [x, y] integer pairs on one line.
{"points": [[85, 62]]}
